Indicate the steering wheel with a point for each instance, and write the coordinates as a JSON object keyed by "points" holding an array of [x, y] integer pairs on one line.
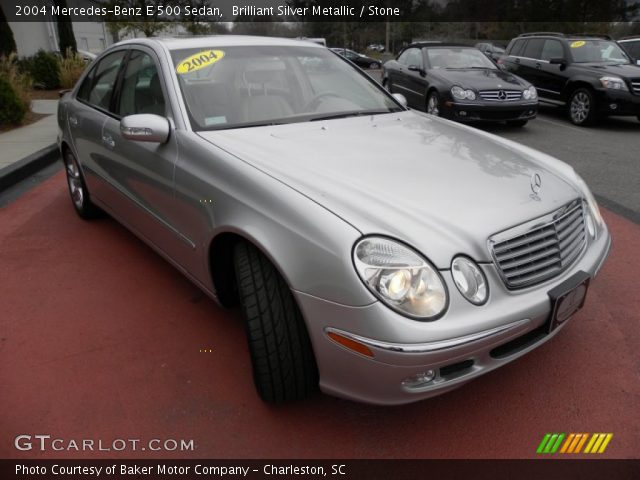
{"points": [[313, 104]]}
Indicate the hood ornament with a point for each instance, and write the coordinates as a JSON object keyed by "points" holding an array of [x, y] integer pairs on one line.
{"points": [[536, 185]]}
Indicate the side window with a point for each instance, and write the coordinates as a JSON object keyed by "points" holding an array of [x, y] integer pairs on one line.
{"points": [[415, 57], [552, 49], [98, 86], [533, 48], [517, 48], [403, 57], [141, 90]]}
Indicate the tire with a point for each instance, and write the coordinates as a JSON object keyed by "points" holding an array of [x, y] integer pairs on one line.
{"points": [[284, 367], [78, 191], [517, 123], [433, 104], [582, 107]]}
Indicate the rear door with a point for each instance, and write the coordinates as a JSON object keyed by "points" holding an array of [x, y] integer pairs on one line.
{"points": [[530, 65], [513, 57], [551, 78], [87, 115]]}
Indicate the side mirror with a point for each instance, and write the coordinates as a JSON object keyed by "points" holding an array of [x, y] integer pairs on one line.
{"points": [[400, 98], [415, 68], [637, 62], [145, 127], [558, 61]]}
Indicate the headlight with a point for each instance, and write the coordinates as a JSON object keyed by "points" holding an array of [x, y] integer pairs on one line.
{"points": [[614, 83], [462, 94], [594, 211], [470, 280], [400, 277], [530, 93]]}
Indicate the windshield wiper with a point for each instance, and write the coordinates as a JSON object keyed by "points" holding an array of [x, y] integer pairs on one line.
{"points": [[358, 113]]}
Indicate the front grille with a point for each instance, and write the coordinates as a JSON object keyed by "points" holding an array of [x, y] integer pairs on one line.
{"points": [[543, 251], [635, 85], [501, 95]]}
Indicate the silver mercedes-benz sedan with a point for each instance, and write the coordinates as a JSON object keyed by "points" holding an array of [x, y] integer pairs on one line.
{"points": [[377, 252]]}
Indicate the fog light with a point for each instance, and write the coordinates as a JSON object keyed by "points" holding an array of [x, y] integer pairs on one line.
{"points": [[419, 379], [613, 106], [591, 226]]}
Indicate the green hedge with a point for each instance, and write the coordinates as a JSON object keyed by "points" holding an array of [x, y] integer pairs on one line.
{"points": [[12, 110], [44, 69]]}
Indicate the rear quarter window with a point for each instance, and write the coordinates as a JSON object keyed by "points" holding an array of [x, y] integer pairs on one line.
{"points": [[517, 47]]}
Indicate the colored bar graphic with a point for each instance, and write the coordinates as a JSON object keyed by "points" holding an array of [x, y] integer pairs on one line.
{"points": [[573, 443]]}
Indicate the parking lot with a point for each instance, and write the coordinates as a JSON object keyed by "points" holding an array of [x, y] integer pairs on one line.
{"points": [[102, 339]]}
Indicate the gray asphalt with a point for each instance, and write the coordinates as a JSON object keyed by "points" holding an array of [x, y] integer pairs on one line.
{"points": [[607, 155]]}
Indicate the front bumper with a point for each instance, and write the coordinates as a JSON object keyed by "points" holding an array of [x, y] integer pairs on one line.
{"points": [[616, 102], [467, 342], [485, 111]]}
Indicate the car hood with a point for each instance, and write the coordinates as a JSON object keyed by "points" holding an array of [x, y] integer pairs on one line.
{"points": [[481, 79], [628, 71], [442, 187]]}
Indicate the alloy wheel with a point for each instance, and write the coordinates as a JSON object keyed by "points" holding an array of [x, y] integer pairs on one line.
{"points": [[580, 107], [75, 181], [433, 106]]}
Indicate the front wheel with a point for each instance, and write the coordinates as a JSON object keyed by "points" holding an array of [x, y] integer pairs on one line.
{"points": [[582, 107], [78, 188], [517, 123], [433, 104], [284, 366]]}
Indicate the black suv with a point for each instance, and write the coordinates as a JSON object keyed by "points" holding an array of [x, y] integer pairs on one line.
{"points": [[590, 75]]}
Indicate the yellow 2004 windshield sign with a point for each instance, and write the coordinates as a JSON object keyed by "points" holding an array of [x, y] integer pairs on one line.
{"points": [[578, 44], [198, 61]]}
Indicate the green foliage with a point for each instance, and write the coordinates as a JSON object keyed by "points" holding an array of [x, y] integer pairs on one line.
{"points": [[71, 67], [12, 110], [7, 42], [43, 68], [20, 82]]}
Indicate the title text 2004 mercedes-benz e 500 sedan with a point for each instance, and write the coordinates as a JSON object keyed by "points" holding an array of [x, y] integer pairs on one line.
{"points": [[383, 254]]}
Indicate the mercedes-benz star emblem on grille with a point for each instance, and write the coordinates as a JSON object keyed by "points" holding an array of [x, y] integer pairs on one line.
{"points": [[502, 95], [536, 183]]}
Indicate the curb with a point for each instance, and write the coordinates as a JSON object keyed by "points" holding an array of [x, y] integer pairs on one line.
{"points": [[18, 171]]}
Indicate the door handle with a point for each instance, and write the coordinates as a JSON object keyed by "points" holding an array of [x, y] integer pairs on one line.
{"points": [[73, 121], [538, 66], [108, 141], [517, 60]]}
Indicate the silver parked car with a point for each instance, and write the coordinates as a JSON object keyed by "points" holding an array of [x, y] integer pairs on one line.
{"points": [[383, 254]]}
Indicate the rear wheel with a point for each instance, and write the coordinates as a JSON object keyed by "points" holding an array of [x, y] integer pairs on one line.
{"points": [[517, 123], [433, 104], [284, 366], [582, 107], [78, 188]]}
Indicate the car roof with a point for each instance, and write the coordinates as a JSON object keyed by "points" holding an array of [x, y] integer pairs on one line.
{"points": [[179, 43], [438, 45], [562, 36]]}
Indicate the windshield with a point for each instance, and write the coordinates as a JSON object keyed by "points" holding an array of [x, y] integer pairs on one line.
{"points": [[585, 51], [242, 86], [458, 58]]}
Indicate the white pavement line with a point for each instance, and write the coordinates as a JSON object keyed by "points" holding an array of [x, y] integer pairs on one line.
{"points": [[581, 130]]}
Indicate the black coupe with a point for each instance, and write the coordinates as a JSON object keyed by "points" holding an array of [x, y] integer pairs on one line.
{"points": [[459, 82]]}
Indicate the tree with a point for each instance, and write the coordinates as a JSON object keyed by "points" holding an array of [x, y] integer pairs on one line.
{"points": [[65, 31], [7, 42]]}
